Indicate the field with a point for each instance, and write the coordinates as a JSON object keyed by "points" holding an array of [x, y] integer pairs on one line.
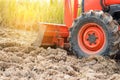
{"points": [[21, 61]]}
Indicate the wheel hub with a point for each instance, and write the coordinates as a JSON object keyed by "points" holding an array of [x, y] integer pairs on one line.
{"points": [[91, 38]]}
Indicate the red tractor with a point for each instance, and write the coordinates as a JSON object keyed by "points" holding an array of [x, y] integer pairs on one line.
{"points": [[94, 32]]}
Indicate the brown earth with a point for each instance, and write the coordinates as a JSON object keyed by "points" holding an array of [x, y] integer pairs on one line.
{"points": [[20, 61]]}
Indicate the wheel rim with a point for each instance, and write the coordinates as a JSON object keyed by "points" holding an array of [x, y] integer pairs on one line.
{"points": [[91, 38]]}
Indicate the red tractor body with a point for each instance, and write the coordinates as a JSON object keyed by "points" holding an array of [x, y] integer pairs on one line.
{"points": [[94, 32], [98, 4]]}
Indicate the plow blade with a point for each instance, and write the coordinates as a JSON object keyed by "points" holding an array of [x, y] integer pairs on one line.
{"points": [[51, 35]]}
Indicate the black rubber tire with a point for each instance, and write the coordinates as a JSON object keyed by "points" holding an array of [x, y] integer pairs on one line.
{"points": [[107, 23]]}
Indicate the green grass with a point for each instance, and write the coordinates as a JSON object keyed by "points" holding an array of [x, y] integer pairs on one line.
{"points": [[24, 13]]}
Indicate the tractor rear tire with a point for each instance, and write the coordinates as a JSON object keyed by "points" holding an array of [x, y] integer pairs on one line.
{"points": [[94, 33]]}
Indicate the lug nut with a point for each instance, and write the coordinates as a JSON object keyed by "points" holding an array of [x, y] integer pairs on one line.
{"points": [[90, 43], [88, 34], [93, 33], [94, 42]]}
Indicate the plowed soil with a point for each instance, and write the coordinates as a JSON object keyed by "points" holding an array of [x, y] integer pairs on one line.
{"points": [[20, 61]]}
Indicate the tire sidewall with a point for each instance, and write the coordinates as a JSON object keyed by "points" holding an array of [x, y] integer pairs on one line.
{"points": [[80, 23]]}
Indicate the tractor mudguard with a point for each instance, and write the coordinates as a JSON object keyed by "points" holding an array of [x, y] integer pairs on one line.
{"points": [[97, 4]]}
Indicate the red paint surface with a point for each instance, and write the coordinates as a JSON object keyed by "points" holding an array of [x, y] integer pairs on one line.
{"points": [[83, 36]]}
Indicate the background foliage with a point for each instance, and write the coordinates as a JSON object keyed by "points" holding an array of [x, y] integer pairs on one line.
{"points": [[26, 13]]}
